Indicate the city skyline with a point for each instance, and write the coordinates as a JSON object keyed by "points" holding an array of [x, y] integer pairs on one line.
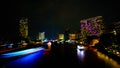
{"points": [[54, 16]]}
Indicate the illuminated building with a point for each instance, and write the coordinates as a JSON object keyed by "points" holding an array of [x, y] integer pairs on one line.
{"points": [[23, 28], [41, 36], [72, 36], [61, 36], [91, 27]]}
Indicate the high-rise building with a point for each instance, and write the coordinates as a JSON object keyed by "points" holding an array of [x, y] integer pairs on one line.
{"points": [[91, 27], [41, 36], [23, 28]]}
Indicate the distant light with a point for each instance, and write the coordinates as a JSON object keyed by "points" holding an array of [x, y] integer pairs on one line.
{"points": [[80, 47], [49, 43], [45, 40]]}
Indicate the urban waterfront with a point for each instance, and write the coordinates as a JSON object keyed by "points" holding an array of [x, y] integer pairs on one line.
{"points": [[58, 55], [60, 33]]}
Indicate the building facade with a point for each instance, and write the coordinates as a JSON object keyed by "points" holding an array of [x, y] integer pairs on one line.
{"points": [[23, 28], [91, 27]]}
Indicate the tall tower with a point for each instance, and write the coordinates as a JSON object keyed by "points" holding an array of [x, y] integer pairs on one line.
{"points": [[41, 36], [91, 27], [23, 27]]}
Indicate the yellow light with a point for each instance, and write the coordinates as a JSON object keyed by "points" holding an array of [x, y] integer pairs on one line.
{"points": [[94, 42]]}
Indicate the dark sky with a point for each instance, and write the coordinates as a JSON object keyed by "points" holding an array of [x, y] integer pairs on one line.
{"points": [[54, 16]]}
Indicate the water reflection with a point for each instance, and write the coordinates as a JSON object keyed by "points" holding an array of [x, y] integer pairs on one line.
{"points": [[27, 61], [20, 53], [81, 54], [95, 59], [108, 60]]}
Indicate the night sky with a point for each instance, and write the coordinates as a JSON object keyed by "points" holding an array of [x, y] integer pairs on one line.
{"points": [[54, 16]]}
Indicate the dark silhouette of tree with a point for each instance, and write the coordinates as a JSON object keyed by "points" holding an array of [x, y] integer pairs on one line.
{"points": [[67, 31]]}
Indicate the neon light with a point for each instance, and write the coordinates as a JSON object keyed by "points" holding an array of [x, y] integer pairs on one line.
{"points": [[28, 61], [23, 52]]}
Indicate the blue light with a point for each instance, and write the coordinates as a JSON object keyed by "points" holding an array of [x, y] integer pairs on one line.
{"points": [[28, 61], [19, 53]]}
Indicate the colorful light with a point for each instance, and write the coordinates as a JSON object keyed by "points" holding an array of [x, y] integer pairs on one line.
{"points": [[19, 53], [28, 61], [92, 26]]}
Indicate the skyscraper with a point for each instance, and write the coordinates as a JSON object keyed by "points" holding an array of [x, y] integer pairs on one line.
{"points": [[91, 27], [41, 36], [23, 28]]}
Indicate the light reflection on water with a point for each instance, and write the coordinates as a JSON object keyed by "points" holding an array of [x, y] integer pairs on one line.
{"points": [[81, 54], [27, 61], [19, 53], [96, 59], [108, 60]]}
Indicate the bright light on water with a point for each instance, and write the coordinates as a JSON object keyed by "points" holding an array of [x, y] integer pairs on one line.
{"points": [[18, 53], [108, 60], [28, 61], [81, 54], [80, 47]]}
